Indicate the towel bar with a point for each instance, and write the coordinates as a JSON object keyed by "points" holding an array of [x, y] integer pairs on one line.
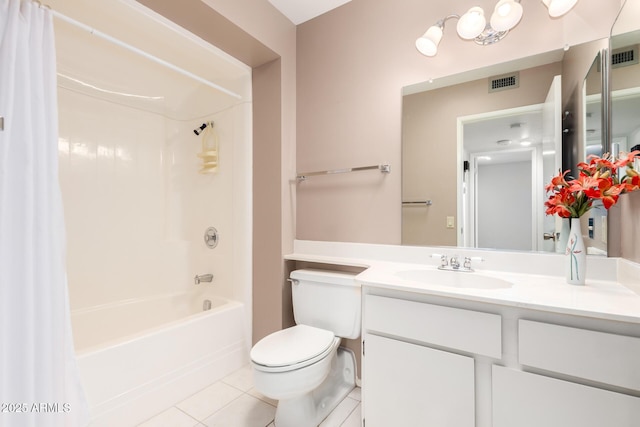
{"points": [[418, 203], [382, 168]]}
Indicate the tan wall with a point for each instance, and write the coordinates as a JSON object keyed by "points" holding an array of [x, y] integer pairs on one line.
{"points": [[267, 200], [352, 64], [429, 144], [625, 77]]}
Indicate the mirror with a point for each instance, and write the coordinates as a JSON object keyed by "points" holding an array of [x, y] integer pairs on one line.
{"points": [[592, 89], [443, 202], [594, 223], [625, 79]]}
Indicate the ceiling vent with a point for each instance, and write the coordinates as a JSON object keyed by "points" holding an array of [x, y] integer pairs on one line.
{"points": [[504, 82], [624, 56]]}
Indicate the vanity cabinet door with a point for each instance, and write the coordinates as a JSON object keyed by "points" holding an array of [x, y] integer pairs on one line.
{"points": [[408, 385], [522, 399]]}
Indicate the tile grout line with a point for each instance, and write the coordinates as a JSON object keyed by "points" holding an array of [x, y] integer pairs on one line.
{"points": [[222, 407], [352, 411], [189, 415]]}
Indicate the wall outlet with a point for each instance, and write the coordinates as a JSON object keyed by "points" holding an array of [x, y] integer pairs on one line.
{"points": [[451, 222]]}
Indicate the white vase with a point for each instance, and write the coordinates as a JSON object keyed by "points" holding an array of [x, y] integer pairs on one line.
{"points": [[576, 255], [563, 234]]}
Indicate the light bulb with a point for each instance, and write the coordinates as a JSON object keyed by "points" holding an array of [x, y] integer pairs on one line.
{"points": [[559, 7], [471, 24], [428, 43], [506, 15]]}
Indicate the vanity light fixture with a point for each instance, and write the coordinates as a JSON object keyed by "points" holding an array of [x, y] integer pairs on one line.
{"points": [[473, 24]]}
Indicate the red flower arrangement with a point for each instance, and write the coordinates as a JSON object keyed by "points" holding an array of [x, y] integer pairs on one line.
{"points": [[597, 180]]}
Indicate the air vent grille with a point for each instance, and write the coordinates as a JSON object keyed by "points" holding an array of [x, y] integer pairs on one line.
{"points": [[504, 82], [624, 57]]}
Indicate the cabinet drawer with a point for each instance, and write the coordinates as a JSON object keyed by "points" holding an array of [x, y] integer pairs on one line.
{"points": [[521, 399], [465, 330], [598, 356]]}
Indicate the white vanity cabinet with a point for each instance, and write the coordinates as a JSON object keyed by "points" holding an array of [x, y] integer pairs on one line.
{"points": [[444, 362], [523, 399], [418, 369], [597, 384]]}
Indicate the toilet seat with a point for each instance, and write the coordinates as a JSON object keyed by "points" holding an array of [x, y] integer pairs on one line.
{"points": [[292, 348]]}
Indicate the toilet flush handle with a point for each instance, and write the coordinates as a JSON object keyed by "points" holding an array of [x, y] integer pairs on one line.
{"points": [[293, 281]]}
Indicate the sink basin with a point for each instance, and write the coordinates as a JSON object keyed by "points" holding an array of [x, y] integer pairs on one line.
{"points": [[453, 279]]}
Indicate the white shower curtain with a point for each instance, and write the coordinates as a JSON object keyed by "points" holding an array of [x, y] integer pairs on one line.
{"points": [[39, 382]]}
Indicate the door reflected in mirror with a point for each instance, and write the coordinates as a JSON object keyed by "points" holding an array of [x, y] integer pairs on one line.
{"points": [[510, 154], [501, 153]]}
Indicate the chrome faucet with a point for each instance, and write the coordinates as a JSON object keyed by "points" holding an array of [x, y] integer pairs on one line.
{"points": [[203, 278], [453, 263]]}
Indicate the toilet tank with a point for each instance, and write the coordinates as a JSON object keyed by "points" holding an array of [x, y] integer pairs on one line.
{"points": [[328, 300]]}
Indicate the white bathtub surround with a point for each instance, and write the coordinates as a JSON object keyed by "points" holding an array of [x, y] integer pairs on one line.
{"points": [[538, 278], [138, 209], [140, 183], [130, 379], [39, 382]]}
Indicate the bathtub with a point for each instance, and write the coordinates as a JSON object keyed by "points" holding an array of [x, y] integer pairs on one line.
{"points": [[138, 357]]}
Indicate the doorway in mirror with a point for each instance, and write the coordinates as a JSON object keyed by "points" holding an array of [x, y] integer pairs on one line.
{"points": [[510, 154]]}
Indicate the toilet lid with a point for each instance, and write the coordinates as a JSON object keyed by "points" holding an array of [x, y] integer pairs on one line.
{"points": [[292, 345]]}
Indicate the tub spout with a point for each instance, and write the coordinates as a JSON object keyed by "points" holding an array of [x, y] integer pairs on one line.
{"points": [[203, 278]]}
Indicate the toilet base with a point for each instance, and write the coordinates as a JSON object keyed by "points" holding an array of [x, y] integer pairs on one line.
{"points": [[310, 409]]}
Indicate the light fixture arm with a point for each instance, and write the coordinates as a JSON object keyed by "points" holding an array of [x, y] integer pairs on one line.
{"points": [[441, 22], [473, 25]]}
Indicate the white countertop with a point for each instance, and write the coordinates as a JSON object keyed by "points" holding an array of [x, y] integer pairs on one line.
{"points": [[598, 298]]}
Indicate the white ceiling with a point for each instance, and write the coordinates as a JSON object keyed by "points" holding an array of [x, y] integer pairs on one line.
{"points": [[483, 136], [299, 11]]}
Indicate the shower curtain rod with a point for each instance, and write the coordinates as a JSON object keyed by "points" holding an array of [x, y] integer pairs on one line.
{"points": [[140, 52]]}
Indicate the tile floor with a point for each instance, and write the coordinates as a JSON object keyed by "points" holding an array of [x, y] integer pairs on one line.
{"points": [[233, 402]]}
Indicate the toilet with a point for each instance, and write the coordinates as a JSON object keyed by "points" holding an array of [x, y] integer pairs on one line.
{"points": [[304, 367]]}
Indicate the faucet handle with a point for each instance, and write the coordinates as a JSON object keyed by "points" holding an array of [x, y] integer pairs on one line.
{"points": [[443, 259], [467, 261]]}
